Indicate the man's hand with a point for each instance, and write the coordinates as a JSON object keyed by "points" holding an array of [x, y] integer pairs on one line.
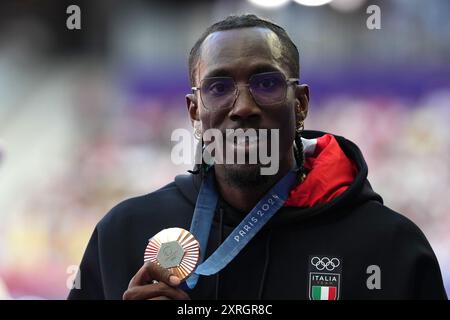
{"points": [[153, 282]]}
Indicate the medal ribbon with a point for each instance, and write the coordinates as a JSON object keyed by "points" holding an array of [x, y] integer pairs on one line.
{"points": [[256, 219]]}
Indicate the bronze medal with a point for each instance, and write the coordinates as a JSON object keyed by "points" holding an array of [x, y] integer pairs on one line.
{"points": [[175, 249]]}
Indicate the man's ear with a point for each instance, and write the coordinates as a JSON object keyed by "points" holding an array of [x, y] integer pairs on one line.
{"points": [[302, 97], [192, 106]]}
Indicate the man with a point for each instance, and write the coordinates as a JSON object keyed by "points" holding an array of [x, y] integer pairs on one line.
{"points": [[332, 238]]}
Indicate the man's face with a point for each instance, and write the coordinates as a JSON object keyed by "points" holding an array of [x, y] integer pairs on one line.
{"points": [[239, 54]]}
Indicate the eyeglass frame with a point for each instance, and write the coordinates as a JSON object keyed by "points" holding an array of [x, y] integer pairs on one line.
{"points": [[289, 81]]}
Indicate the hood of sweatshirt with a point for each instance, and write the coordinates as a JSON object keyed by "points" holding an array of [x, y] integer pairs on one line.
{"points": [[329, 173], [336, 178]]}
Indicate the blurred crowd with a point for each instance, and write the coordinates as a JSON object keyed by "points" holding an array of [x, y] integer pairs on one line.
{"points": [[80, 133]]}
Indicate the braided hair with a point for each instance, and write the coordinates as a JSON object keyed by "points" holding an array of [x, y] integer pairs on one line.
{"points": [[299, 155]]}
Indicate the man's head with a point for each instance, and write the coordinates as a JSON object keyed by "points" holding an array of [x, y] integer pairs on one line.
{"points": [[240, 48], [290, 51]]}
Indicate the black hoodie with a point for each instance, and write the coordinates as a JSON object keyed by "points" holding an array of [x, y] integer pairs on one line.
{"points": [[352, 247]]}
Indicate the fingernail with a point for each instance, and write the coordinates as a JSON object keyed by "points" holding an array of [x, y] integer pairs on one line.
{"points": [[174, 280]]}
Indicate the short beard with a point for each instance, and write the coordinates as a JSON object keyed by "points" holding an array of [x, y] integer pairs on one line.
{"points": [[245, 176]]}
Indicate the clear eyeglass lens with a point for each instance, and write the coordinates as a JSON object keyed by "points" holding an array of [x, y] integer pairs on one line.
{"points": [[266, 88]]}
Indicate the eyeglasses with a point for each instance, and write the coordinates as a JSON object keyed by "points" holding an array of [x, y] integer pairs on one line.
{"points": [[267, 89]]}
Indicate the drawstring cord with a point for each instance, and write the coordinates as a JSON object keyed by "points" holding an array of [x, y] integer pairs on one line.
{"points": [[220, 242], [266, 265]]}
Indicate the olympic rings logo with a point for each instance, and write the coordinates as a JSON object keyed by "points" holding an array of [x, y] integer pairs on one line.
{"points": [[325, 263]]}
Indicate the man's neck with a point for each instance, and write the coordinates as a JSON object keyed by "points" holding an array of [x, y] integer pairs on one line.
{"points": [[244, 198]]}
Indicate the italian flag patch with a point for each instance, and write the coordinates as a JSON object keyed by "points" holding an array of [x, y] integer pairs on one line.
{"points": [[323, 293], [325, 277]]}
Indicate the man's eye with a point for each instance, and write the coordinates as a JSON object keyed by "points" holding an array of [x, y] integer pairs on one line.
{"points": [[266, 84], [217, 88]]}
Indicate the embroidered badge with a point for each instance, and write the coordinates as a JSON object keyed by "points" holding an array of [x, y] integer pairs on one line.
{"points": [[324, 277]]}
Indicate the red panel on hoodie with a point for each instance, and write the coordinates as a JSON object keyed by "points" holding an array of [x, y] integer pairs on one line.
{"points": [[331, 172]]}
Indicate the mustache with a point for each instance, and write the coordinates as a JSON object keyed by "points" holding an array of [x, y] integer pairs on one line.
{"points": [[246, 129], [260, 134]]}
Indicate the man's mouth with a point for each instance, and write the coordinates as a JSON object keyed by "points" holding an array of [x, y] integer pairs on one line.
{"points": [[246, 140], [245, 146], [241, 141]]}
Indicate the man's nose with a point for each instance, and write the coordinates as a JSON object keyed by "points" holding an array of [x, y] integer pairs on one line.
{"points": [[244, 106]]}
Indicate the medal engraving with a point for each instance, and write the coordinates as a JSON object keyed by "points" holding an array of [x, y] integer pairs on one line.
{"points": [[170, 254]]}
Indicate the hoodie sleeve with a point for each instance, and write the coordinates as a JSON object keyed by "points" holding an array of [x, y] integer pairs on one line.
{"points": [[415, 252], [91, 287], [429, 283]]}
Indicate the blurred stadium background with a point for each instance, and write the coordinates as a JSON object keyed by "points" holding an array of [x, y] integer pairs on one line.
{"points": [[86, 115]]}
